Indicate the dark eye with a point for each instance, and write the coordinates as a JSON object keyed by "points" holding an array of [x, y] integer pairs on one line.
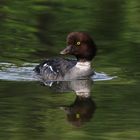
{"points": [[78, 43]]}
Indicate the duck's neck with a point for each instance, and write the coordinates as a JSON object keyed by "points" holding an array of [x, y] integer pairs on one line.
{"points": [[81, 69], [84, 65], [82, 60]]}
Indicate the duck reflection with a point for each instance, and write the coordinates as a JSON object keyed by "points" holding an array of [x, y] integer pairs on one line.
{"points": [[83, 107], [80, 111]]}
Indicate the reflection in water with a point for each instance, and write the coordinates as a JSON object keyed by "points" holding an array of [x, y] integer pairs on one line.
{"points": [[82, 109], [36, 29]]}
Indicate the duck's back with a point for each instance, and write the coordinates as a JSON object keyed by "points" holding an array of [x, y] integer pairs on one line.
{"points": [[54, 69]]}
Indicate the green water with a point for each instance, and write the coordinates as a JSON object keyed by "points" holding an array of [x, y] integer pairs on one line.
{"points": [[31, 30]]}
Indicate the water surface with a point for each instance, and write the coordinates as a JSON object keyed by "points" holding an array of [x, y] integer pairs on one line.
{"points": [[103, 108]]}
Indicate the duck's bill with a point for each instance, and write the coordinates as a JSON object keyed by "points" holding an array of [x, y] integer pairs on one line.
{"points": [[67, 50]]}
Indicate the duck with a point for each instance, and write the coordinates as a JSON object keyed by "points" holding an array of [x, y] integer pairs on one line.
{"points": [[80, 45]]}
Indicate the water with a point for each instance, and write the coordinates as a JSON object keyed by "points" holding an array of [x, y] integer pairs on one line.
{"points": [[25, 72], [103, 108]]}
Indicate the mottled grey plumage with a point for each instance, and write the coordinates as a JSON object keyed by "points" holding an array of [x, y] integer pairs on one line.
{"points": [[53, 69]]}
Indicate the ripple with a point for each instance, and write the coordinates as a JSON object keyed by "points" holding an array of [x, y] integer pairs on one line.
{"points": [[102, 76], [12, 72]]}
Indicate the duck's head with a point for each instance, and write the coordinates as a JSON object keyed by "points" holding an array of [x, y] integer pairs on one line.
{"points": [[80, 45]]}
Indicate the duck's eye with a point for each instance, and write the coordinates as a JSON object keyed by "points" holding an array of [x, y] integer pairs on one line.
{"points": [[78, 43]]}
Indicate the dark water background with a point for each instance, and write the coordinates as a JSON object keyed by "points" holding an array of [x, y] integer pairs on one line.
{"points": [[31, 30]]}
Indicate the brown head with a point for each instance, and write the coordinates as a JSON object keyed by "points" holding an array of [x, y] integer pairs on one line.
{"points": [[81, 46]]}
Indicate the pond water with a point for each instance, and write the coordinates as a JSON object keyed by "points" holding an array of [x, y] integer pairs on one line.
{"points": [[105, 107]]}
